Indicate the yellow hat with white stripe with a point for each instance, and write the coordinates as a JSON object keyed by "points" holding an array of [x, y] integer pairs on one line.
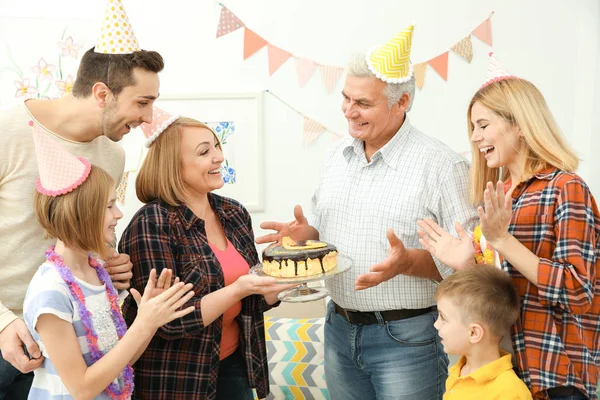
{"points": [[391, 62], [116, 34]]}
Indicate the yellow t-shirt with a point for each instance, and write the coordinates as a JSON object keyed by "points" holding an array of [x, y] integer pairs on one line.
{"points": [[493, 381]]}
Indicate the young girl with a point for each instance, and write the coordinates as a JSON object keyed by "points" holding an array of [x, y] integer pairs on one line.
{"points": [[71, 306], [549, 239]]}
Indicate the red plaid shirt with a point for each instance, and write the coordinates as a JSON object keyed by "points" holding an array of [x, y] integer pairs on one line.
{"points": [[182, 360], [557, 337]]}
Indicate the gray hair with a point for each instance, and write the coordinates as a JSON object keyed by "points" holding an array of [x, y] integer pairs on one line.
{"points": [[357, 66]]}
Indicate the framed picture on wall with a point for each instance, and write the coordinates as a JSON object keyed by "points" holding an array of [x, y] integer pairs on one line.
{"points": [[237, 120]]}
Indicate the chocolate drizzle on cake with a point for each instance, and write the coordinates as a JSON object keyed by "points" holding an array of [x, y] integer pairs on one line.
{"points": [[281, 255]]}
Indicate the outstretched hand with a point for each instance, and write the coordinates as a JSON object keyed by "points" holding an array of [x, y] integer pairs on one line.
{"points": [[396, 263], [298, 229], [455, 252]]}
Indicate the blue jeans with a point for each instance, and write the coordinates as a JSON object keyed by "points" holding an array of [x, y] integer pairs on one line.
{"points": [[232, 383], [397, 360], [13, 384]]}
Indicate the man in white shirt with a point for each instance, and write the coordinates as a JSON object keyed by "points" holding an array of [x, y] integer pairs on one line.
{"points": [[380, 341]]}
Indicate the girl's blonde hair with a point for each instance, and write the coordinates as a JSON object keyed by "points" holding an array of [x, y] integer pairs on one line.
{"points": [[160, 174], [77, 218], [519, 103]]}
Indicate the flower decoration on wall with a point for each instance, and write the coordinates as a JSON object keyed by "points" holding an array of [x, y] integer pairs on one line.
{"points": [[47, 80], [24, 89], [69, 48], [224, 130], [43, 70], [65, 86]]}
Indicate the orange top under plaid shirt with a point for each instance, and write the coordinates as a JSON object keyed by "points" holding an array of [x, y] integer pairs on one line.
{"points": [[557, 337]]}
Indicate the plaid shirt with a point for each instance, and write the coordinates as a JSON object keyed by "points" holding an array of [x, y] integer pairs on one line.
{"points": [[182, 360], [557, 337]]}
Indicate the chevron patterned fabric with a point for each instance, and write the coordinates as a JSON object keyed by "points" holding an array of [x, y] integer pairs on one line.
{"points": [[391, 62], [295, 352]]}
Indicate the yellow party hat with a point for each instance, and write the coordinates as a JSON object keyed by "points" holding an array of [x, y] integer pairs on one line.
{"points": [[116, 34], [391, 62]]}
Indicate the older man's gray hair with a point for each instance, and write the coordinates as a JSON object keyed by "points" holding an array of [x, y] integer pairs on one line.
{"points": [[357, 66]]}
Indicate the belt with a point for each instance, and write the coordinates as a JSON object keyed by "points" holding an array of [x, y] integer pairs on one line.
{"points": [[563, 391], [370, 317]]}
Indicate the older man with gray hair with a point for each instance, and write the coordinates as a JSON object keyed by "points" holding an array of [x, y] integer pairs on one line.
{"points": [[380, 342]]}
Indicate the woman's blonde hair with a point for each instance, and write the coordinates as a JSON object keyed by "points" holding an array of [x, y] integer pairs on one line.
{"points": [[520, 103], [160, 174], [77, 218]]}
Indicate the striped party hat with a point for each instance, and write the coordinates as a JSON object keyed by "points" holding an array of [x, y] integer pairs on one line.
{"points": [[60, 171], [160, 121], [116, 34], [496, 71], [391, 62]]}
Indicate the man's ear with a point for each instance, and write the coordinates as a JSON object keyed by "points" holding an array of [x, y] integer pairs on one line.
{"points": [[100, 92], [403, 103], [476, 333]]}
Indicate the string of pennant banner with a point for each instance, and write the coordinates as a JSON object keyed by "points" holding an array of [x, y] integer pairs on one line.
{"points": [[305, 68]]}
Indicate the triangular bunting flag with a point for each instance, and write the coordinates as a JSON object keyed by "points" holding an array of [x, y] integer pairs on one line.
{"points": [[228, 22], [419, 71], [330, 75], [484, 32], [252, 43], [305, 69], [312, 130], [122, 188], [440, 65], [464, 48], [276, 58]]}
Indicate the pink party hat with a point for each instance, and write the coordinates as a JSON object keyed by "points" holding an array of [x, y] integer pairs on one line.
{"points": [[60, 171], [116, 34], [496, 71], [160, 121]]}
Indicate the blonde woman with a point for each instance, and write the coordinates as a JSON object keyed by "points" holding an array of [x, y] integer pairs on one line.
{"points": [[543, 221], [219, 350]]}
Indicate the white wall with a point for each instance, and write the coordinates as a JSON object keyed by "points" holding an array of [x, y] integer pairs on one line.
{"points": [[553, 43]]}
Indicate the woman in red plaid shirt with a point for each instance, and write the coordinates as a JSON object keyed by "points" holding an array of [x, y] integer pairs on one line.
{"points": [[545, 225]]}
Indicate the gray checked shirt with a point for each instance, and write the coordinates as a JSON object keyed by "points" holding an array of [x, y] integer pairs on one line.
{"points": [[412, 177]]}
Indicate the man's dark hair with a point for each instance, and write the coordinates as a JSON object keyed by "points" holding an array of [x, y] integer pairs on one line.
{"points": [[115, 70]]}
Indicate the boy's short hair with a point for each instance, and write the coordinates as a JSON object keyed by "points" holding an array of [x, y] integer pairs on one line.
{"points": [[484, 294], [114, 70], [77, 218]]}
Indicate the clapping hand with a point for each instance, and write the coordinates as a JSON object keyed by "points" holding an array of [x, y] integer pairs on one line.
{"points": [[496, 216], [455, 252]]}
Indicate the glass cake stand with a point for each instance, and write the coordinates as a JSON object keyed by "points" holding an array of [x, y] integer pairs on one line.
{"points": [[302, 293]]}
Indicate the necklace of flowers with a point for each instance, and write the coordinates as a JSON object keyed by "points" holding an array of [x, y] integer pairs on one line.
{"points": [[86, 318], [486, 256]]}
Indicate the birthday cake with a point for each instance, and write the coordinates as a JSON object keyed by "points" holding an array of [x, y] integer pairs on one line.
{"points": [[297, 259]]}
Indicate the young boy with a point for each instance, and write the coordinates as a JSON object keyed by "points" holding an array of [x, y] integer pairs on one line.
{"points": [[476, 307]]}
